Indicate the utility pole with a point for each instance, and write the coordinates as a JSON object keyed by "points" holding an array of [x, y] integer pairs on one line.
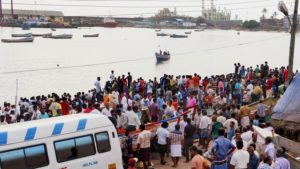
{"points": [[1, 14], [292, 42], [12, 8]]}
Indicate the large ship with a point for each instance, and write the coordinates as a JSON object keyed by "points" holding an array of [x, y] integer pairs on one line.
{"points": [[109, 22]]}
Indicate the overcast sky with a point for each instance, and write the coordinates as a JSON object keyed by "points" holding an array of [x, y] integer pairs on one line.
{"points": [[244, 9]]}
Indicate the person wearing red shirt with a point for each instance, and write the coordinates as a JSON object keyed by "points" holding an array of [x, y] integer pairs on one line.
{"points": [[64, 106], [286, 74], [196, 81]]}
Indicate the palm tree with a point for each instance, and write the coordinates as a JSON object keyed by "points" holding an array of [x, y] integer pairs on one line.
{"points": [[264, 11]]}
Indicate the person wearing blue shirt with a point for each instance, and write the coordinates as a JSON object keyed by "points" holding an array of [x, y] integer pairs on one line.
{"points": [[254, 160], [222, 148], [160, 102], [43, 114]]}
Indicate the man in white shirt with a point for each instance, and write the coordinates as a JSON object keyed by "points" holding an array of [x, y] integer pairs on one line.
{"points": [[226, 124], [247, 134], [98, 88], [204, 128], [106, 111], [270, 148], [112, 76], [133, 120], [143, 146], [240, 158], [163, 136], [121, 119], [96, 109]]}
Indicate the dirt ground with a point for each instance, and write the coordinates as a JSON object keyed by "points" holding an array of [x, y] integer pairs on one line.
{"points": [[156, 160]]}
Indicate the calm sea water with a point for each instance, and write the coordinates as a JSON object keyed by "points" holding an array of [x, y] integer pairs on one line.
{"points": [[81, 60]]}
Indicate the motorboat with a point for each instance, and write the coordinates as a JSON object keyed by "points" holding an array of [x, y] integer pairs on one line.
{"points": [[62, 36], [178, 36], [162, 34], [91, 36], [19, 40], [26, 35], [157, 30], [199, 30], [188, 32], [41, 35], [162, 56]]}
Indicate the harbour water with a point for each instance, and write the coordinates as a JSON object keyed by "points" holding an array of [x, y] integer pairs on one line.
{"points": [[49, 65]]}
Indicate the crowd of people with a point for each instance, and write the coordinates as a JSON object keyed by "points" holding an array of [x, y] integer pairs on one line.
{"points": [[221, 115]]}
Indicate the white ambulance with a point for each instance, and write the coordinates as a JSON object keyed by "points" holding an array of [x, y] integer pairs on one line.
{"points": [[67, 142]]}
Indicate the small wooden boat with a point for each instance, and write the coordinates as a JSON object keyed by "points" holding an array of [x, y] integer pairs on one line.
{"points": [[178, 36], [91, 36], [62, 36], [22, 40], [162, 56], [162, 34], [41, 35], [152, 127], [188, 32], [199, 30], [22, 35]]}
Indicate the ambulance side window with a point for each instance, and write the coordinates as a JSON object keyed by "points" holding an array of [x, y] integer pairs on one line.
{"points": [[74, 148], [103, 142], [24, 158]]}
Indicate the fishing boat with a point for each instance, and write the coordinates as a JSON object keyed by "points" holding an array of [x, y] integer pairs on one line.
{"points": [[162, 56], [91, 36], [41, 35], [152, 127], [188, 32], [178, 36], [162, 34], [20, 40], [26, 35], [108, 22], [292, 147], [199, 30], [62, 36]]}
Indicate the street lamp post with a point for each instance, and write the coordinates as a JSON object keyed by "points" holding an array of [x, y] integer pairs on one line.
{"points": [[282, 7]]}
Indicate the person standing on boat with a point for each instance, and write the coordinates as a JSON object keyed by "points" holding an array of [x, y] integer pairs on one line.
{"points": [[143, 146], [163, 136], [112, 76], [98, 88]]}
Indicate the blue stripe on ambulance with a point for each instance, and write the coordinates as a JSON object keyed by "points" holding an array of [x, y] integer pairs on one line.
{"points": [[30, 134], [57, 129], [3, 138], [81, 124]]}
